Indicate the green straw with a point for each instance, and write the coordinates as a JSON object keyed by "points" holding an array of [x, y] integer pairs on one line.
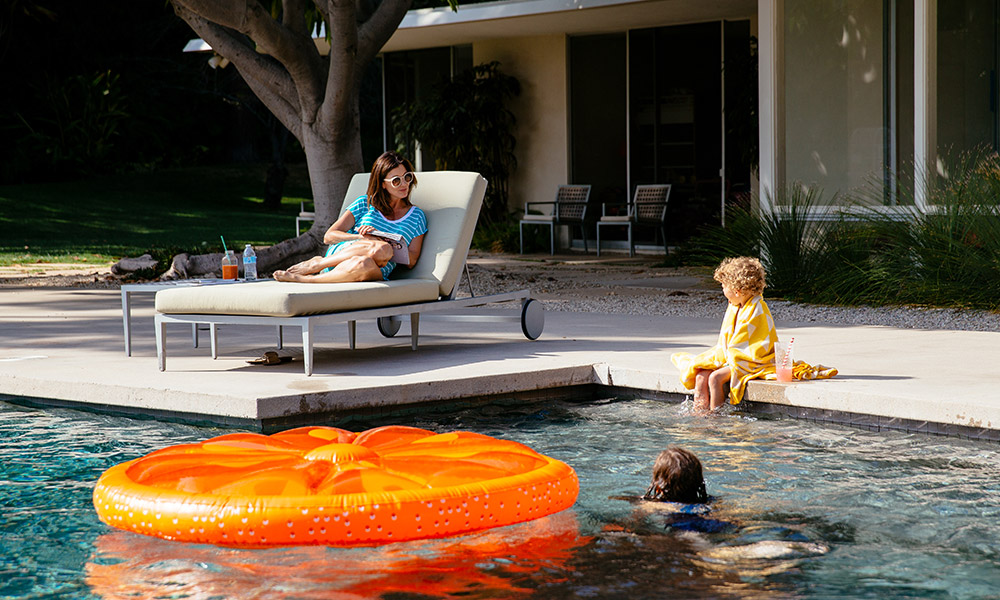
{"points": [[224, 243]]}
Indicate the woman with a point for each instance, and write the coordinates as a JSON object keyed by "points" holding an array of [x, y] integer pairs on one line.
{"points": [[356, 255]]}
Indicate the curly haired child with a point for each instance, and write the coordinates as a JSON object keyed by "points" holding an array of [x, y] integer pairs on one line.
{"points": [[745, 349]]}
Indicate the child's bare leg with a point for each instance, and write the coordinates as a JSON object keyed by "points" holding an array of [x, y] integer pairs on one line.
{"points": [[701, 396], [356, 268], [717, 386]]}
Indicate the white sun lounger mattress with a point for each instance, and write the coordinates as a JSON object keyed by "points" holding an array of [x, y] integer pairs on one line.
{"points": [[283, 299]]}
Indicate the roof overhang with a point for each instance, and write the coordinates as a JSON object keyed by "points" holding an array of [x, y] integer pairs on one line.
{"points": [[436, 27], [428, 28]]}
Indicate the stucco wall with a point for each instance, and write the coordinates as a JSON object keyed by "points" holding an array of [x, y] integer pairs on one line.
{"points": [[540, 64]]}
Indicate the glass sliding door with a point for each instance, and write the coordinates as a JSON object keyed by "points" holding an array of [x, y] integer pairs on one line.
{"points": [[675, 119], [835, 122], [598, 155], [966, 75]]}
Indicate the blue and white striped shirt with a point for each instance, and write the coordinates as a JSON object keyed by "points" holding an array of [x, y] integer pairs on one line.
{"points": [[411, 225]]}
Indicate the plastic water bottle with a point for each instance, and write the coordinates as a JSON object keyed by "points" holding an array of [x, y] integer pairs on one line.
{"points": [[249, 263]]}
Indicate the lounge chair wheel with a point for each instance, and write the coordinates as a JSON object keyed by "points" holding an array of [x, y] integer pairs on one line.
{"points": [[388, 326], [532, 319]]}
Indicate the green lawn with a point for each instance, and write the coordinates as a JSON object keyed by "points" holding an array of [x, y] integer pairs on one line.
{"points": [[103, 219]]}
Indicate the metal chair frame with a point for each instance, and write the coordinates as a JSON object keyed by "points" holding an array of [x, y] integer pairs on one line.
{"points": [[304, 215], [648, 207], [569, 208]]}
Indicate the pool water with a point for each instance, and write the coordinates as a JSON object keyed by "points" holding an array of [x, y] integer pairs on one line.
{"points": [[903, 515]]}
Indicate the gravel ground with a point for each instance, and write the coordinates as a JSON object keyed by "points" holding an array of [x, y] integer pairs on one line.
{"points": [[584, 283], [632, 287]]}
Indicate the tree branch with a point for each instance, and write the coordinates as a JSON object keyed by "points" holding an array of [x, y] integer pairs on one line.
{"points": [[293, 16], [342, 67], [268, 80], [295, 50], [376, 31]]}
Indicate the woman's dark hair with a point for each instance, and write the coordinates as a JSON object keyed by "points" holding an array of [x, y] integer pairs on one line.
{"points": [[677, 477], [377, 196]]}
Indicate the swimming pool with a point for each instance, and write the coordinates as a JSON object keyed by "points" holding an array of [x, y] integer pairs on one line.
{"points": [[904, 515]]}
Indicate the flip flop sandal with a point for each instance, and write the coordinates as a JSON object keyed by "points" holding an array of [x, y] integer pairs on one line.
{"points": [[270, 358]]}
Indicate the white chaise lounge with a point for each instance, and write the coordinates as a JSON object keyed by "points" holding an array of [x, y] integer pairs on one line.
{"points": [[451, 201]]}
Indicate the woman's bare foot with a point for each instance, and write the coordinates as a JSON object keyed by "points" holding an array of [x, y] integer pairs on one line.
{"points": [[306, 267], [287, 276]]}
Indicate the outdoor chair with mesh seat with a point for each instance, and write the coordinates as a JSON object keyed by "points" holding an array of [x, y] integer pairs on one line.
{"points": [[304, 215], [569, 208], [648, 207]]}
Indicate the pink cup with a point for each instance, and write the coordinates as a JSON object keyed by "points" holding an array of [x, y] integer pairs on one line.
{"points": [[783, 361]]}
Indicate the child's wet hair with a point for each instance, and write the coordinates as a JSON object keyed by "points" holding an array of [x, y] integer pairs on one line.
{"points": [[743, 273], [677, 477]]}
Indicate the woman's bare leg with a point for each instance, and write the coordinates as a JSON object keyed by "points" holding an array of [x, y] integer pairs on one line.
{"points": [[377, 250], [356, 268]]}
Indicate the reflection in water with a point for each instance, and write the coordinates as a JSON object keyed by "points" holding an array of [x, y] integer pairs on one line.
{"points": [[905, 516], [546, 558], [490, 564]]}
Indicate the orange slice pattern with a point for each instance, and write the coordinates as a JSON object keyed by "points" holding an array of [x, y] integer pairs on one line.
{"points": [[323, 485]]}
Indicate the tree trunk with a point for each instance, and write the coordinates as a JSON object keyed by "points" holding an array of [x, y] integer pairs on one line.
{"points": [[331, 164], [315, 97], [332, 161]]}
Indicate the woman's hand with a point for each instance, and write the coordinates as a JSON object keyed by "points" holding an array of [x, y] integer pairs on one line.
{"points": [[364, 230]]}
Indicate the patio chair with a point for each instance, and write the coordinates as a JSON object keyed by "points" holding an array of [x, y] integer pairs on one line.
{"points": [[451, 201], [304, 215], [569, 208], [648, 207]]}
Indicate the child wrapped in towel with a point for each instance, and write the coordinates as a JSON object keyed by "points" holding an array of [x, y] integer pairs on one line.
{"points": [[745, 349]]}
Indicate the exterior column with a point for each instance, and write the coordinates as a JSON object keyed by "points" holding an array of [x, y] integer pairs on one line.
{"points": [[924, 98], [771, 91]]}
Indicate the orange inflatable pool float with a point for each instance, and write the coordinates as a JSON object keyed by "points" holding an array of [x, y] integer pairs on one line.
{"points": [[323, 485]]}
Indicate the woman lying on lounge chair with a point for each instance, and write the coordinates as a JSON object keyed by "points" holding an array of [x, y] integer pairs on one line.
{"points": [[354, 253]]}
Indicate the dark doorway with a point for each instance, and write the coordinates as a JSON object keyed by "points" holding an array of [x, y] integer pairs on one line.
{"points": [[598, 141], [676, 125]]}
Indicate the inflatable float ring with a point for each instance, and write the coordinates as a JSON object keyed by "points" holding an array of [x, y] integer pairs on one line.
{"points": [[323, 485]]}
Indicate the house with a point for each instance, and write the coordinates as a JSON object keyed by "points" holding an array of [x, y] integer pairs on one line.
{"points": [[622, 92], [617, 93]]}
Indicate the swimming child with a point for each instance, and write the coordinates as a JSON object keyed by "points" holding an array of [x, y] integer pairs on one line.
{"points": [[677, 477], [745, 349], [678, 480], [677, 494]]}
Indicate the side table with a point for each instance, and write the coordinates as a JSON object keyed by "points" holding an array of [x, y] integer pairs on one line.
{"points": [[154, 286]]}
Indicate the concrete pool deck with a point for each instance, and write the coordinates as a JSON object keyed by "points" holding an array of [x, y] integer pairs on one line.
{"points": [[64, 346]]}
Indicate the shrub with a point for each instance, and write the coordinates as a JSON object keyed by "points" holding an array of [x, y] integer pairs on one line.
{"points": [[877, 254]]}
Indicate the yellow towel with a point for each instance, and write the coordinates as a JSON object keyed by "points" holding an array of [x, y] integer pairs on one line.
{"points": [[746, 344]]}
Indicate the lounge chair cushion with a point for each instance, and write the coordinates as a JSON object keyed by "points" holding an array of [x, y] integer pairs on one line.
{"points": [[283, 299]]}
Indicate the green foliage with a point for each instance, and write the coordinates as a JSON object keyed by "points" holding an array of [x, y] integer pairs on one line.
{"points": [[500, 236], [163, 212], [466, 125], [75, 130], [949, 255], [876, 255], [794, 249]]}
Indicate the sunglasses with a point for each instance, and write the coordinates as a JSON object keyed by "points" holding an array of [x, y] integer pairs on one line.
{"points": [[399, 180]]}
